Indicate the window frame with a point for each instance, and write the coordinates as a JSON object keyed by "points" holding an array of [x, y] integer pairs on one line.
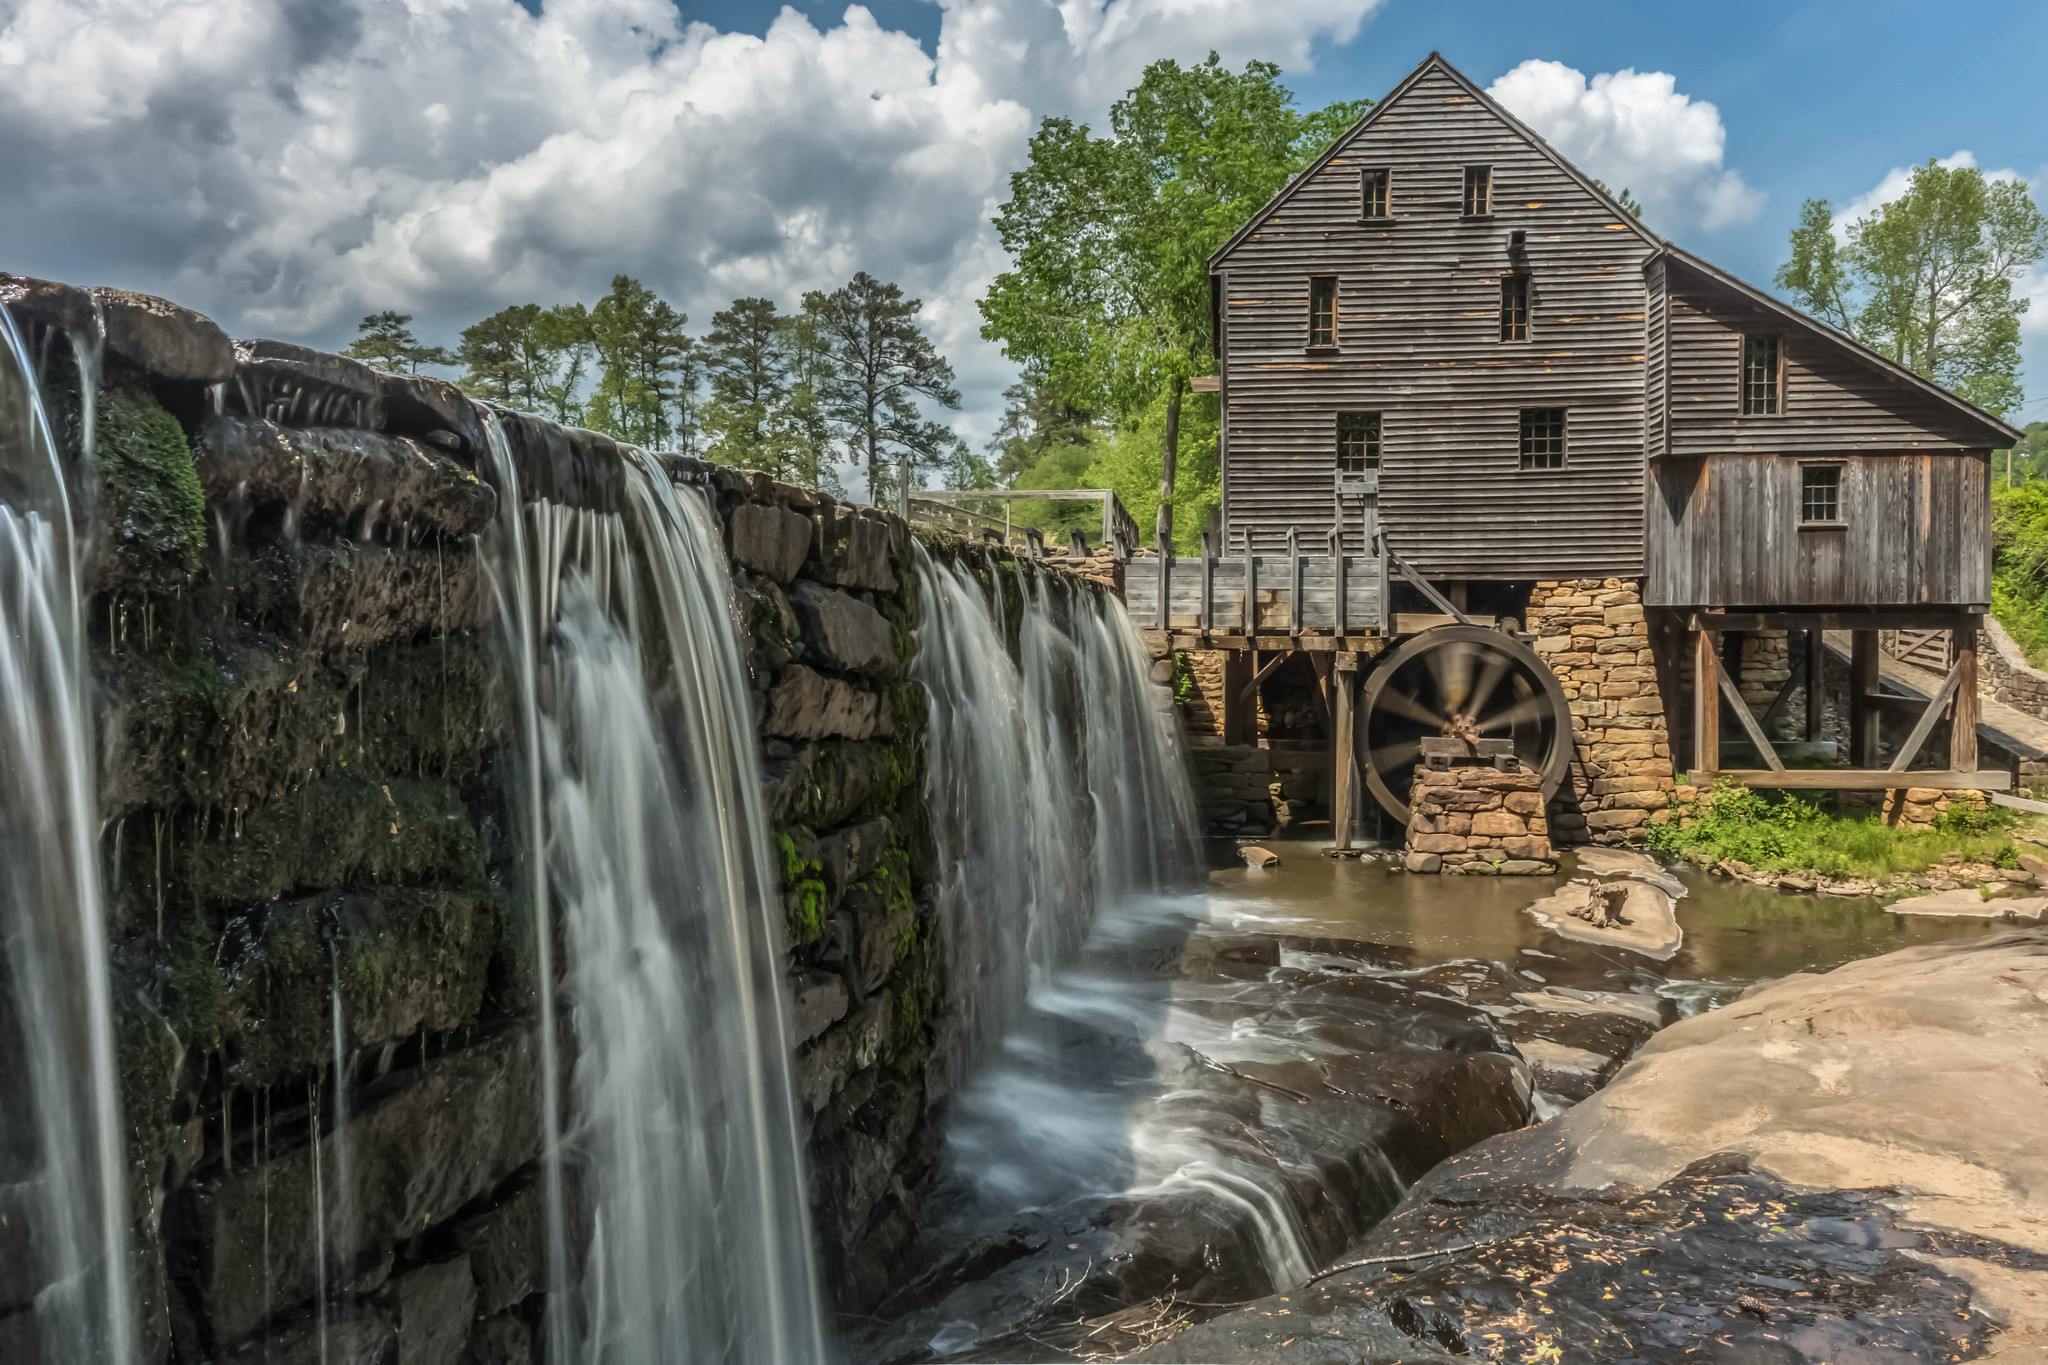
{"points": [[1562, 455], [1742, 406], [1507, 280], [1834, 468], [1315, 284], [1384, 177], [1374, 442], [1466, 210]]}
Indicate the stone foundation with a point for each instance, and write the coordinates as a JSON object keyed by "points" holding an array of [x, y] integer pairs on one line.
{"points": [[1472, 819], [1593, 634], [1248, 789]]}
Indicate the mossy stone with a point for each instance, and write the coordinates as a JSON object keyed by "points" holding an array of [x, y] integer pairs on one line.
{"points": [[148, 486]]}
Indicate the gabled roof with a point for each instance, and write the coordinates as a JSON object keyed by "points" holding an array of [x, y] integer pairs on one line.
{"points": [[1433, 62], [1994, 431]]}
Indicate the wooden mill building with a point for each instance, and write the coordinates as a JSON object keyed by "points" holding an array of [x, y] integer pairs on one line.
{"points": [[1460, 383]]}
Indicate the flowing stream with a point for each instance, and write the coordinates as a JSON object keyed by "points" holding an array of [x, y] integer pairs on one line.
{"points": [[672, 1146], [63, 1146]]}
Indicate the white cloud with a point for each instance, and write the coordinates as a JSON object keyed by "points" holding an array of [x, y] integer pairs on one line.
{"points": [[290, 165], [1633, 129]]}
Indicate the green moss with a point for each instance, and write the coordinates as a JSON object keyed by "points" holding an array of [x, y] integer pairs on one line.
{"points": [[1791, 833], [804, 890], [149, 487]]}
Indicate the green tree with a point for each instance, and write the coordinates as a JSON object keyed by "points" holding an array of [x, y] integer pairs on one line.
{"points": [[1629, 203], [2026, 462], [640, 349], [1036, 420], [803, 431], [529, 357], [749, 371], [1110, 237], [1928, 278], [385, 341], [882, 363]]}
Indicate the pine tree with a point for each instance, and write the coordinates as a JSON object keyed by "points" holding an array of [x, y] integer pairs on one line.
{"points": [[386, 342], [640, 347], [749, 372], [882, 364]]}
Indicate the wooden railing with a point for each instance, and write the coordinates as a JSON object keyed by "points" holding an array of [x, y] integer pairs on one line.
{"points": [[945, 507], [1247, 594]]}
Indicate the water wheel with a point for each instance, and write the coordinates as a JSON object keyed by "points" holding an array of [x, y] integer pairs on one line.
{"points": [[1465, 681]]}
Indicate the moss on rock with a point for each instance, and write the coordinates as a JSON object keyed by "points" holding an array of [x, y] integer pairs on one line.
{"points": [[149, 488]]}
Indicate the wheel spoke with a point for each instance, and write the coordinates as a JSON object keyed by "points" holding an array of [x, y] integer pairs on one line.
{"points": [[1408, 708], [1497, 666], [1392, 757], [1529, 708]]}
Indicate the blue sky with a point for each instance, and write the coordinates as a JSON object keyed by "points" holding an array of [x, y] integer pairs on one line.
{"points": [[292, 165]]}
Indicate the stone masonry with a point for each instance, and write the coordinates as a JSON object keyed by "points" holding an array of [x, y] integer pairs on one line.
{"points": [[1593, 635], [1474, 820]]}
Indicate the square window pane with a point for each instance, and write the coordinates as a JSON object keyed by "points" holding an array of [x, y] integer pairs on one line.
{"points": [[1372, 194], [1322, 310], [1358, 441], [1760, 370], [1514, 308], [1543, 438], [1478, 191], [1820, 493]]}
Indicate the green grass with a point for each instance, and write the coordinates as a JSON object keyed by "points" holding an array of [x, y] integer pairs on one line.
{"points": [[1785, 833]]}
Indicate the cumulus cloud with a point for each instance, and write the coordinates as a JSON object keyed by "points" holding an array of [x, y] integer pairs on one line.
{"points": [[1633, 129], [290, 165]]}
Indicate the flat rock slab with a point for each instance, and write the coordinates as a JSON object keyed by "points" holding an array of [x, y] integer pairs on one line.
{"points": [[1254, 856], [1967, 902], [1649, 923], [1624, 862], [1563, 1000]]}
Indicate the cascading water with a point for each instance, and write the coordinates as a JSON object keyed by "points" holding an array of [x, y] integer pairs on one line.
{"points": [[1056, 786], [643, 800], [56, 1038]]}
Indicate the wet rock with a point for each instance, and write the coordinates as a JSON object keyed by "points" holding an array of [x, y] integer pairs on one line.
{"points": [[164, 339], [432, 410], [418, 1151], [843, 632], [808, 705], [563, 465], [821, 1001], [1565, 1000], [1646, 923], [768, 539], [279, 381], [1971, 903], [849, 854], [358, 1334], [503, 1340], [1423, 862], [1622, 862], [436, 1304], [859, 547], [336, 481], [1255, 856], [825, 783], [1570, 1073], [46, 303], [508, 1249]]}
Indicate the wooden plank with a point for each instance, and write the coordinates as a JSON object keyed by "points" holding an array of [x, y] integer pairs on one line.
{"points": [[1415, 622], [1816, 689], [1706, 701], [1950, 618], [1962, 739], [1755, 732], [1929, 717], [1240, 717], [1343, 757], [2031, 806], [1863, 684], [1868, 779]]}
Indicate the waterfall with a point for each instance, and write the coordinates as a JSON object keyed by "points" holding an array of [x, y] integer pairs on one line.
{"points": [[675, 1139], [56, 1018], [1056, 779]]}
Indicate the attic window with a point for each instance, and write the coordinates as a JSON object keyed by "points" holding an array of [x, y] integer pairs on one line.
{"points": [[1543, 438], [1760, 376], [1478, 191], [1514, 307], [1322, 312], [1358, 442], [1372, 193]]}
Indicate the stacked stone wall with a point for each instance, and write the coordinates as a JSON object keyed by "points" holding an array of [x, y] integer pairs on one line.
{"points": [[1594, 635], [2004, 674], [1253, 790], [1474, 820]]}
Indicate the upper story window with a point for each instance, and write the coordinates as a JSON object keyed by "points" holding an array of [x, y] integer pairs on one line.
{"points": [[1358, 442], [1372, 193], [1820, 494], [1543, 438], [1478, 191], [1761, 377], [1514, 307], [1322, 311]]}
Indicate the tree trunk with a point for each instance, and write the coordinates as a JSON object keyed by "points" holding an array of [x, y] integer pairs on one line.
{"points": [[1168, 456]]}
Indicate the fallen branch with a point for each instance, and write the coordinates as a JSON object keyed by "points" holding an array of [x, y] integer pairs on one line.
{"points": [[1322, 1275]]}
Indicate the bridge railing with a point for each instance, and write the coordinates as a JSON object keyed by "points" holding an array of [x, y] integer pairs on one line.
{"points": [[946, 507], [1252, 594]]}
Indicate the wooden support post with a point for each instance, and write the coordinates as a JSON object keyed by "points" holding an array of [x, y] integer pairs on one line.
{"points": [[1863, 684], [1343, 756], [1816, 682], [1165, 549], [1208, 581], [1240, 711], [1962, 737], [1706, 702], [1294, 563], [1251, 587]]}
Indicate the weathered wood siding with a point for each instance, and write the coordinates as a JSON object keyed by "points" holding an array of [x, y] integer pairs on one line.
{"points": [[1418, 341], [1656, 357], [1830, 401], [1726, 533]]}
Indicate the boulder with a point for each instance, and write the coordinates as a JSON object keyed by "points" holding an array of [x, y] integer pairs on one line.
{"points": [[46, 303], [282, 381], [2035, 867], [1255, 856], [338, 481], [825, 783], [1647, 1009], [434, 411], [843, 632], [164, 339], [859, 550], [1423, 862], [355, 1334], [1647, 922], [768, 539], [1968, 902], [508, 1249], [436, 1304], [807, 705], [1625, 862]]}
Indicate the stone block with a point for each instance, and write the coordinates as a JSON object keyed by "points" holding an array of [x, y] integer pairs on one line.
{"points": [[768, 539], [1621, 614], [1523, 803], [1437, 843], [1529, 846], [1499, 824], [508, 1249], [820, 1001], [1525, 867], [1423, 862], [849, 853], [842, 631], [860, 551], [163, 338], [1592, 632], [1612, 819], [436, 1304], [807, 705]]}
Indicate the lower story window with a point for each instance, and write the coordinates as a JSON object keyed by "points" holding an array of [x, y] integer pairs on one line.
{"points": [[1358, 442], [1820, 493], [1543, 438]]}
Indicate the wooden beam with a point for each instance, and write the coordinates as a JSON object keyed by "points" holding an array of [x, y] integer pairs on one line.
{"points": [[1816, 682], [1867, 779], [1863, 684], [1962, 735], [1260, 676], [1706, 701], [1924, 727], [1792, 677], [1905, 619], [1343, 757], [1749, 725], [1240, 718], [1415, 622]]}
